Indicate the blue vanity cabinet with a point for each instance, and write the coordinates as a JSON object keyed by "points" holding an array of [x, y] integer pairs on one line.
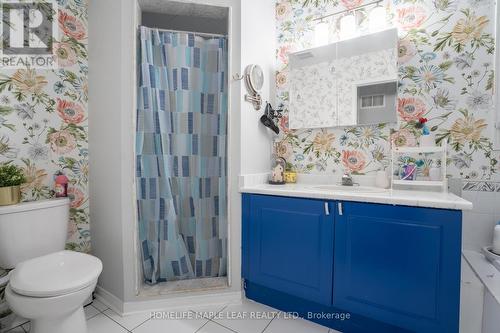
{"points": [[288, 245], [394, 269], [399, 265]]}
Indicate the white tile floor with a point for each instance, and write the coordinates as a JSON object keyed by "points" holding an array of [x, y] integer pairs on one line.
{"points": [[232, 318]]}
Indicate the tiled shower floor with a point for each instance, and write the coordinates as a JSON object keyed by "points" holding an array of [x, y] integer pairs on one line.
{"points": [[182, 286]]}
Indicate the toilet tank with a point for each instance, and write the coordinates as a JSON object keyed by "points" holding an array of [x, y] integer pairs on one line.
{"points": [[32, 229]]}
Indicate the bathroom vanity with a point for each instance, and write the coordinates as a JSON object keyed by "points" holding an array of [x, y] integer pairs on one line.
{"points": [[355, 260]]}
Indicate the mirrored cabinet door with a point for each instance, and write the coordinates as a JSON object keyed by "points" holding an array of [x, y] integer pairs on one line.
{"points": [[348, 83], [313, 86]]}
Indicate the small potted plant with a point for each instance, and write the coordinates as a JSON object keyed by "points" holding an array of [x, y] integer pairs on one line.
{"points": [[11, 178]]}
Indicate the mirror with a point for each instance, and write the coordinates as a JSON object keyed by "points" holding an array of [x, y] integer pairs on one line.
{"points": [[347, 83], [254, 81], [254, 78]]}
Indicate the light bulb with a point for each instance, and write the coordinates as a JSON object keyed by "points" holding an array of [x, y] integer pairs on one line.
{"points": [[377, 20], [321, 34], [347, 26]]}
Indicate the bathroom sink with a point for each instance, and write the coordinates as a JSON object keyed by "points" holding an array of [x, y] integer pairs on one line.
{"points": [[357, 189]]}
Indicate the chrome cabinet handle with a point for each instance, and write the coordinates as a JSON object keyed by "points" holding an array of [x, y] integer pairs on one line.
{"points": [[339, 205], [327, 209]]}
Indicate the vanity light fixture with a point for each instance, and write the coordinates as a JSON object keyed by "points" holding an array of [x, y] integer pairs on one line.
{"points": [[347, 26], [321, 33], [377, 19], [347, 22]]}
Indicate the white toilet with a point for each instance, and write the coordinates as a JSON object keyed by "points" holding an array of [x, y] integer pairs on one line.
{"points": [[48, 285]]}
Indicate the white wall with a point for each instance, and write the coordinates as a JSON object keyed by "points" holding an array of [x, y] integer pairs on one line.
{"points": [[106, 106], [111, 132], [258, 36], [111, 141]]}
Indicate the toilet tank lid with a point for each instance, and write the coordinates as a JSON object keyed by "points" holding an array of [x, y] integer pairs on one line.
{"points": [[33, 205]]}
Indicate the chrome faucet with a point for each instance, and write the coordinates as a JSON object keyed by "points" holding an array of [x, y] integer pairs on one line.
{"points": [[347, 179]]}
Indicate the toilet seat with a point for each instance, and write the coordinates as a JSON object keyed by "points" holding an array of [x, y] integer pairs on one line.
{"points": [[55, 274]]}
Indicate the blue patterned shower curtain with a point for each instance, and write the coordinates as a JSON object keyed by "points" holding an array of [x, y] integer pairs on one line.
{"points": [[181, 155]]}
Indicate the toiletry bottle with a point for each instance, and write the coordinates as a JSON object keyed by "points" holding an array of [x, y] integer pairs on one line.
{"points": [[435, 174], [61, 185], [496, 239], [381, 179]]}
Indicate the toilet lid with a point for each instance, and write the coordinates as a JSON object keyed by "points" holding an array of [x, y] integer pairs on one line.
{"points": [[55, 274]]}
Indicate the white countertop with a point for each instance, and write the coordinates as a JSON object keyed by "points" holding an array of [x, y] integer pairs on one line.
{"points": [[257, 185]]}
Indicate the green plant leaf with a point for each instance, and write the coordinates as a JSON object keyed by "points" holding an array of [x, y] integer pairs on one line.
{"points": [[5, 110], [11, 175]]}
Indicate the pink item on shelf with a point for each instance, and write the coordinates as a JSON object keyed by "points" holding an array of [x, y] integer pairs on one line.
{"points": [[61, 187]]}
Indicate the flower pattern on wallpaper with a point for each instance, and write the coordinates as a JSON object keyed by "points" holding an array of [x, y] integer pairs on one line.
{"points": [[446, 74], [43, 121]]}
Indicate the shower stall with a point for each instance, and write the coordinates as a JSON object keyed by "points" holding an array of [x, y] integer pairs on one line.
{"points": [[181, 152], [170, 134]]}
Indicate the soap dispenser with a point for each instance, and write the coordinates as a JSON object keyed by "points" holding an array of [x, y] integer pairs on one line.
{"points": [[496, 239]]}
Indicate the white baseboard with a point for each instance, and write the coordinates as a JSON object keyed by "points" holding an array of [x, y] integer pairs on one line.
{"points": [[108, 299], [167, 303]]}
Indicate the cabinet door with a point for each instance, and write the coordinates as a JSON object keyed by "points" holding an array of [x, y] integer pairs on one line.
{"points": [[288, 245], [399, 265]]}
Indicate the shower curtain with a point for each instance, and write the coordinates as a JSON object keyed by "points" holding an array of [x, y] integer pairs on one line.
{"points": [[181, 155]]}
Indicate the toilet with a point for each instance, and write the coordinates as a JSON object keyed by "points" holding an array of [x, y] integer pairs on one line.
{"points": [[48, 285]]}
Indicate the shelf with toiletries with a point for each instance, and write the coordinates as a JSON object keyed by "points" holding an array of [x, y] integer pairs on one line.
{"points": [[417, 182], [419, 166]]}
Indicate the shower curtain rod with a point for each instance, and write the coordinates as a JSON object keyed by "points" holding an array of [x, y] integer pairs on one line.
{"points": [[202, 34]]}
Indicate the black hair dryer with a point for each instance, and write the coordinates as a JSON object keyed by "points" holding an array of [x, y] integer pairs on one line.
{"points": [[268, 119]]}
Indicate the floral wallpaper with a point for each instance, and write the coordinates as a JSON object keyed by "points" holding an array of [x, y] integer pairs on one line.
{"points": [[446, 74], [43, 121]]}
